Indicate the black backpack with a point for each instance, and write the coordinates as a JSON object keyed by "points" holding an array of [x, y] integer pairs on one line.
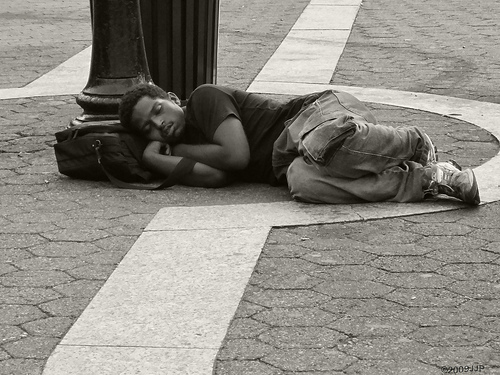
{"points": [[105, 150]]}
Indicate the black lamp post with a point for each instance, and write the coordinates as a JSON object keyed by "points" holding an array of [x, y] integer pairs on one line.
{"points": [[118, 58]]}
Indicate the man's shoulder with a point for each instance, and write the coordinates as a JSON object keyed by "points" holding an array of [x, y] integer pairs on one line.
{"points": [[210, 88]]}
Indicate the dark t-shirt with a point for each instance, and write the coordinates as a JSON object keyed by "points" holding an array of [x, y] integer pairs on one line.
{"points": [[262, 118]]}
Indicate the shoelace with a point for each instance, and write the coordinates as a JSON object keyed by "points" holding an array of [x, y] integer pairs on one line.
{"points": [[441, 178]]}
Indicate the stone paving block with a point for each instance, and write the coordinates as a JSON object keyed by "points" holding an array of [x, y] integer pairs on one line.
{"points": [[69, 307], [481, 219], [384, 348], [282, 266], [283, 250], [245, 328], [243, 349], [485, 307], [390, 368], [11, 241], [286, 298], [245, 368], [21, 366], [406, 264], [438, 316], [302, 337], [372, 326], [488, 324], [468, 271], [308, 359], [291, 317], [10, 333], [116, 244], [80, 234], [348, 272], [454, 355], [18, 314], [464, 255], [52, 326], [70, 249], [399, 249], [79, 288], [35, 278], [52, 264], [29, 296], [7, 268], [338, 257], [476, 289], [247, 309], [493, 247], [451, 336], [432, 229], [353, 289], [450, 243], [486, 234], [363, 307], [326, 244], [27, 228], [295, 280], [426, 297], [92, 272], [31, 347], [379, 237], [415, 280]]}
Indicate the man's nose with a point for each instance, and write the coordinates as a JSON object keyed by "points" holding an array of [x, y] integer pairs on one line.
{"points": [[157, 121]]}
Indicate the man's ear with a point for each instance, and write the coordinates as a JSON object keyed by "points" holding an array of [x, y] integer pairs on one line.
{"points": [[174, 98]]}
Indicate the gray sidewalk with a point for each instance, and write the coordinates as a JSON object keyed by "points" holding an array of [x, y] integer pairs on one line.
{"points": [[405, 295]]}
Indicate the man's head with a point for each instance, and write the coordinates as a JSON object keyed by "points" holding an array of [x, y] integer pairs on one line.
{"points": [[156, 114]]}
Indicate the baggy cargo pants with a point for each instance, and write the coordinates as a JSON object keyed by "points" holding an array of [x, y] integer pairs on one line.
{"points": [[333, 151]]}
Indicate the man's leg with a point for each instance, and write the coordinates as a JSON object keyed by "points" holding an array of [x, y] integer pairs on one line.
{"points": [[408, 182], [402, 183], [368, 148]]}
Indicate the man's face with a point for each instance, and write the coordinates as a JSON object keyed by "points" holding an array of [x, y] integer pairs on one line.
{"points": [[159, 119]]}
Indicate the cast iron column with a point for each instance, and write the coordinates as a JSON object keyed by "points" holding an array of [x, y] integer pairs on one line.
{"points": [[118, 58]]}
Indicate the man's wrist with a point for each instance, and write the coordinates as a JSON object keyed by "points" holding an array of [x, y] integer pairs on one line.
{"points": [[177, 149]]}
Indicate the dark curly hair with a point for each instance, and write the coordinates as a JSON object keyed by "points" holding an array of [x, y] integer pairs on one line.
{"points": [[132, 96]]}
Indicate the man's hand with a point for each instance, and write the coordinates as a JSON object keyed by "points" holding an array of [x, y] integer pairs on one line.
{"points": [[157, 158], [156, 147]]}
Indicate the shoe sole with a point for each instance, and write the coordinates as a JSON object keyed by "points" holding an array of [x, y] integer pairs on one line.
{"points": [[472, 196]]}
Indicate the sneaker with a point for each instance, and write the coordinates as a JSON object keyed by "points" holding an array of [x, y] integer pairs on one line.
{"points": [[432, 153], [448, 178]]}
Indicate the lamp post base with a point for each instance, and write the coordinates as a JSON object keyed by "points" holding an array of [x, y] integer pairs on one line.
{"points": [[118, 59]]}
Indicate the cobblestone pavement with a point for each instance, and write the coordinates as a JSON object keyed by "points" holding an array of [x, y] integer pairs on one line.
{"points": [[401, 296], [39, 35], [413, 295]]}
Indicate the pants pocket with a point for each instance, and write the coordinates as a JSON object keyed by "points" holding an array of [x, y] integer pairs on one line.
{"points": [[322, 142]]}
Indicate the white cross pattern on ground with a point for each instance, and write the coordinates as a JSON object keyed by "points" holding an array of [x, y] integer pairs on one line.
{"points": [[166, 308]]}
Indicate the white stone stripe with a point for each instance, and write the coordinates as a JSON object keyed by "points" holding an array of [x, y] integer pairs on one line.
{"points": [[167, 306], [67, 79], [312, 49]]}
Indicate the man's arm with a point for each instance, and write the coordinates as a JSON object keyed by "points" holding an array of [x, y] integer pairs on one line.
{"points": [[229, 151], [201, 175]]}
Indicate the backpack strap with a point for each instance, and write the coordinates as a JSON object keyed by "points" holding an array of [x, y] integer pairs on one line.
{"points": [[183, 167]]}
